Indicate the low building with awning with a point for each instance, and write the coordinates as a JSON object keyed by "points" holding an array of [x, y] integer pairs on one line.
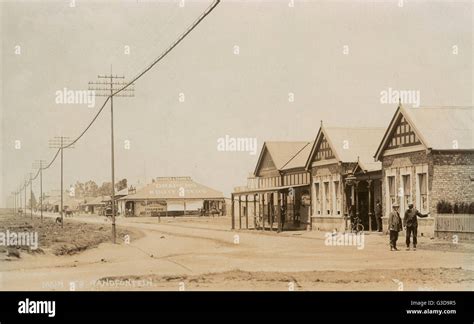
{"points": [[53, 203], [93, 205], [173, 196], [280, 185]]}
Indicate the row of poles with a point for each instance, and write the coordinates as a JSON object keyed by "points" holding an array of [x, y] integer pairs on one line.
{"points": [[109, 86], [17, 194], [102, 89]]}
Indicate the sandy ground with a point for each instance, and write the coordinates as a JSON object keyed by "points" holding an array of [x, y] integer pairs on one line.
{"points": [[203, 254]]}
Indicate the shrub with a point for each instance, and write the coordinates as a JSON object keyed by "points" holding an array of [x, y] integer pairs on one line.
{"points": [[471, 208], [445, 207]]}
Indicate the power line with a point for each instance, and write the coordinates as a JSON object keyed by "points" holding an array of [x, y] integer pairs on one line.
{"points": [[38, 164], [106, 90], [59, 142], [132, 82], [180, 38]]}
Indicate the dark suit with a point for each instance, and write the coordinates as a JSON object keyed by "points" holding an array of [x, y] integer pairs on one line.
{"points": [[394, 226], [411, 222]]}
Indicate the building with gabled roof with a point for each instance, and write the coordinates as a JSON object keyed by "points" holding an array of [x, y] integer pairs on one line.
{"points": [[345, 179], [279, 182], [424, 156], [427, 155]]}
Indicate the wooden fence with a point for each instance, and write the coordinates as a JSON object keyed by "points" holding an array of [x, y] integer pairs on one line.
{"points": [[451, 224]]}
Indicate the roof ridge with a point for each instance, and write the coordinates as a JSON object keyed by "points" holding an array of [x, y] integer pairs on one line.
{"points": [[286, 141], [296, 154], [351, 127], [441, 107]]}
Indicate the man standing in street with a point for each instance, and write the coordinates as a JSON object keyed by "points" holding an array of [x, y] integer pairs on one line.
{"points": [[410, 222], [378, 215], [394, 226]]}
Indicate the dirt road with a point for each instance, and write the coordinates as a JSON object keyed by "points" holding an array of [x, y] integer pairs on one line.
{"points": [[203, 254]]}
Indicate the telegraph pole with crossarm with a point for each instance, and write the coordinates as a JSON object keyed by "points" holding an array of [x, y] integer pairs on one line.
{"points": [[107, 88], [38, 164], [61, 142]]}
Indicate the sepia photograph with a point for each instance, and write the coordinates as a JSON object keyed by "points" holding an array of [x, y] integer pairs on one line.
{"points": [[158, 155]]}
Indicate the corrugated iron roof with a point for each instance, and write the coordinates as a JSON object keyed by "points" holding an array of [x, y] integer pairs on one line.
{"points": [[283, 152], [299, 159], [95, 201], [67, 200], [438, 128], [175, 188], [352, 144], [443, 128]]}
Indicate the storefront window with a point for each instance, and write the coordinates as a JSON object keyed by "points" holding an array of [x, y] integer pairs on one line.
{"points": [[422, 183], [327, 203], [337, 197], [318, 199], [391, 190], [406, 189]]}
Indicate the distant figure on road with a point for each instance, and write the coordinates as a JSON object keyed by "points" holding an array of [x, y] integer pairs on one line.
{"points": [[378, 215], [410, 222], [394, 226]]}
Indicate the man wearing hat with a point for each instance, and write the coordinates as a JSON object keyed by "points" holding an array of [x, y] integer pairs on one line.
{"points": [[394, 226], [410, 222]]}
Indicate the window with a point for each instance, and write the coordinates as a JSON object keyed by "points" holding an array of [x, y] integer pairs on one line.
{"points": [[326, 198], [317, 199], [391, 190], [423, 189], [337, 197], [406, 190]]}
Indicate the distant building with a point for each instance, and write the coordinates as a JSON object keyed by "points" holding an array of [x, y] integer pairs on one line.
{"points": [[93, 205], [53, 203], [173, 196]]}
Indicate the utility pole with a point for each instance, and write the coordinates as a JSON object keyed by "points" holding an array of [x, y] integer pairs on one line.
{"points": [[14, 202], [26, 184], [19, 200], [31, 195], [61, 142], [38, 164], [107, 89]]}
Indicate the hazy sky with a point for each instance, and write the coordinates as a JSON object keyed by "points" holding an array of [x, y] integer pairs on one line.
{"points": [[282, 50]]}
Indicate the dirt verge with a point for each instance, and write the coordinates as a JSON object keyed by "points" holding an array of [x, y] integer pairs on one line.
{"points": [[73, 238]]}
